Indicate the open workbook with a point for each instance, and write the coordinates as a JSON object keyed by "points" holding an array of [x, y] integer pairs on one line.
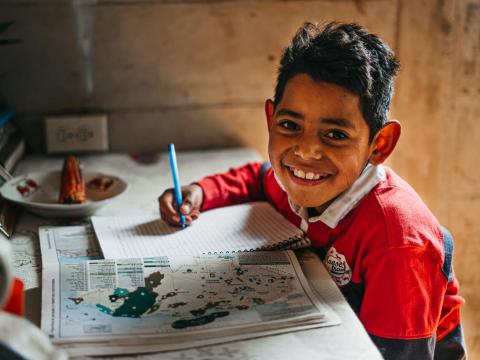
{"points": [[245, 227], [93, 306]]}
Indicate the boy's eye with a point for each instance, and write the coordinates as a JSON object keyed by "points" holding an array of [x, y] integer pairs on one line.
{"points": [[289, 125], [336, 135]]}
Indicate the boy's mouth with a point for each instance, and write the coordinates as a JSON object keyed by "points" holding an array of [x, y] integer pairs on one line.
{"points": [[308, 176]]}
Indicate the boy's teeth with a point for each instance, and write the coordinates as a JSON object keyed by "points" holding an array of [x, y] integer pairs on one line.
{"points": [[299, 173], [309, 175]]}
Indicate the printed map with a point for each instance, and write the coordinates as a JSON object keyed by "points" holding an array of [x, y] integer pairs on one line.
{"points": [[154, 295]]}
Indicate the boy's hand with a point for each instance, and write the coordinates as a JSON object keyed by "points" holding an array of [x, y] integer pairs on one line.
{"points": [[192, 196]]}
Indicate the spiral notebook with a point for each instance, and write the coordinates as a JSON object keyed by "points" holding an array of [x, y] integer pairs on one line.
{"points": [[245, 227]]}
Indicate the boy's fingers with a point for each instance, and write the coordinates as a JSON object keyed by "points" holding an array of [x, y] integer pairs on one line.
{"points": [[186, 207], [168, 211], [168, 217], [168, 214], [171, 219], [189, 219], [168, 208], [175, 219], [167, 203]]}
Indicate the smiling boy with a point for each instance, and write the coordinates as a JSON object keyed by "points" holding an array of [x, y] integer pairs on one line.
{"points": [[328, 136]]}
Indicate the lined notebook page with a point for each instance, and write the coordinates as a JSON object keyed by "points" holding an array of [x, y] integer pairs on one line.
{"points": [[234, 228]]}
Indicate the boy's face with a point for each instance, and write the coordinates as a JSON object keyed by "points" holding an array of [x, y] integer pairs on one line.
{"points": [[318, 141]]}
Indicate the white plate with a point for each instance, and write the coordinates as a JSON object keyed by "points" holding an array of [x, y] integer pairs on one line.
{"points": [[38, 192]]}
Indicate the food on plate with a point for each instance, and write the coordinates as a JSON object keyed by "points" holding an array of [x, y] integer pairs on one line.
{"points": [[72, 186], [100, 183]]}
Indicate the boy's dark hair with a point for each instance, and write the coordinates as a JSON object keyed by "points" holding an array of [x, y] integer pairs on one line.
{"points": [[348, 56]]}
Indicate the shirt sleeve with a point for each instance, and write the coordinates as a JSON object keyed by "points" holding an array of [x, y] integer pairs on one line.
{"points": [[238, 185], [394, 349], [451, 347], [404, 292]]}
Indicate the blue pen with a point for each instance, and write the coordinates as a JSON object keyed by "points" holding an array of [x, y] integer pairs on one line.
{"points": [[176, 183]]}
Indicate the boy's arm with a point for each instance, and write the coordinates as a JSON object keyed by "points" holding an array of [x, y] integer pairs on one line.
{"points": [[236, 186], [405, 291], [233, 187]]}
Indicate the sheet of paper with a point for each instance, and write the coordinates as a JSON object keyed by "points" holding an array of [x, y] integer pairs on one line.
{"points": [[26, 249], [245, 227], [62, 244], [26, 259]]}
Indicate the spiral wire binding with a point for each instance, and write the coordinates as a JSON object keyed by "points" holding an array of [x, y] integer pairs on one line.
{"points": [[295, 242]]}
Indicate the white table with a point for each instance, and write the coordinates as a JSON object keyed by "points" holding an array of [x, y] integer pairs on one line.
{"points": [[145, 183]]}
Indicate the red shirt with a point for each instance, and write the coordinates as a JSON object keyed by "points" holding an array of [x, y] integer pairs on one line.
{"points": [[381, 244]]}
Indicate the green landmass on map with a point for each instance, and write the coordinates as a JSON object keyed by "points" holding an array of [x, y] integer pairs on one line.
{"points": [[137, 302]]}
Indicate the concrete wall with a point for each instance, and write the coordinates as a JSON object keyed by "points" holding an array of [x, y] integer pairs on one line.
{"points": [[438, 103], [197, 73]]}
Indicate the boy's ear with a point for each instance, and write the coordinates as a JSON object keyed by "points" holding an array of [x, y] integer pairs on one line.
{"points": [[269, 111], [385, 141]]}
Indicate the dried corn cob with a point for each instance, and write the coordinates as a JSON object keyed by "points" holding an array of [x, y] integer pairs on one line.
{"points": [[72, 187]]}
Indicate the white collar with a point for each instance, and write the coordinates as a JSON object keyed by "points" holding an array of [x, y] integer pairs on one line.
{"points": [[342, 205]]}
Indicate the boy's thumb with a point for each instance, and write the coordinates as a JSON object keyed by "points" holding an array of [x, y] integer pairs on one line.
{"points": [[186, 207]]}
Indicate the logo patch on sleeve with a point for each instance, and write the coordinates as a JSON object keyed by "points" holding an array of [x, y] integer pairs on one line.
{"points": [[337, 266]]}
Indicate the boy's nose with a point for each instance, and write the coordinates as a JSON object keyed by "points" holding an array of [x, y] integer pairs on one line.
{"points": [[308, 148]]}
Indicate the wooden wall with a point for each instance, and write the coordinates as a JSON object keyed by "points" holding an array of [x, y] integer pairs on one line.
{"points": [[197, 73]]}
